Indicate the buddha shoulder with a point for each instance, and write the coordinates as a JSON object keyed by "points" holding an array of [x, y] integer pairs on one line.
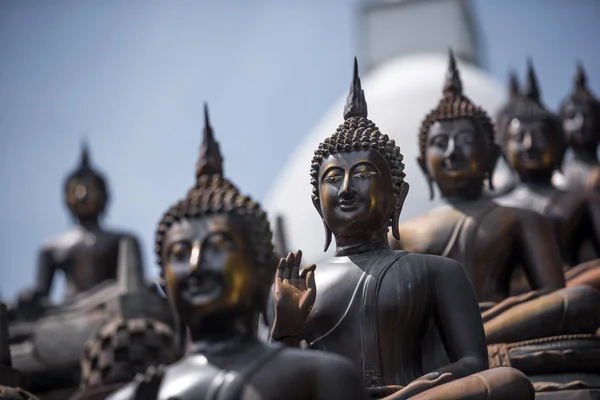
{"points": [[426, 266]]}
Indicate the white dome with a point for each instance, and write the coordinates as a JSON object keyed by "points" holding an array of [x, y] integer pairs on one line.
{"points": [[399, 94]]}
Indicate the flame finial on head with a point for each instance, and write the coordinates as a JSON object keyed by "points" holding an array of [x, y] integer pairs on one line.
{"points": [[532, 90], [85, 154], [580, 78], [513, 84], [356, 106], [453, 84], [210, 161]]}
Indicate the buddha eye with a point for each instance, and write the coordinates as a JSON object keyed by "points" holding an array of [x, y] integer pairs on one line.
{"points": [[440, 141], [219, 241], [467, 137], [332, 178], [364, 174], [180, 251]]}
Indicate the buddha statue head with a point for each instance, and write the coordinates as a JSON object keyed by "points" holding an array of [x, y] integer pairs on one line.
{"points": [[456, 140], [357, 177], [530, 135], [580, 114], [85, 189], [214, 247]]}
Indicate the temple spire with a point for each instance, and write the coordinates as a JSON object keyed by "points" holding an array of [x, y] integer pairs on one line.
{"points": [[210, 161], [532, 90], [453, 84], [356, 106], [580, 78], [513, 84]]}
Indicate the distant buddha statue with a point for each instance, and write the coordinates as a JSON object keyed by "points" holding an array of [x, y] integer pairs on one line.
{"points": [[368, 302], [87, 255], [490, 240], [580, 115], [458, 154], [534, 144], [215, 251]]}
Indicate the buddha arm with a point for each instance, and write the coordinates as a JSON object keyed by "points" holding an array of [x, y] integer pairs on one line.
{"points": [[539, 253], [594, 212], [45, 272], [457, 316]]}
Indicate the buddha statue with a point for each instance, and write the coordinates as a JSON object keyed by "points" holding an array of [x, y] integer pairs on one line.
{"points": [[534, 144], [368, 302], [217, 261], [87, 255], [11, 380], [580, 115], [458, 154]]}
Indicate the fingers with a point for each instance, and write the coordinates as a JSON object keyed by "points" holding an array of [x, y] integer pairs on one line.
{"points": [[295, 269], [309, 296], [289, 263], [306, 270], [280, 270]]}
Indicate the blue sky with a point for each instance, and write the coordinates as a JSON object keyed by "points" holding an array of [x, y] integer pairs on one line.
{"points": [[132, 76]]}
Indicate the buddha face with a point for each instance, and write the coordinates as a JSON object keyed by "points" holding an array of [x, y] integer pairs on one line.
{"points": [[208, 266], [85, 196], [580, 123], [355, 192], [532, 145], [456, 154]]}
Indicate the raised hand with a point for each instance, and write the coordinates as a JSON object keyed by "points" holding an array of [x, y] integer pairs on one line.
{"points": [[148, 385], [294, 295]]}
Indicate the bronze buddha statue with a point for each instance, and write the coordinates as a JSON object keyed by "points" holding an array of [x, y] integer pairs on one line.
{"points": [[580, 115], [375, 305], [87, 255], [458, 153], [217, 261], [534, 145], [11, 379]]}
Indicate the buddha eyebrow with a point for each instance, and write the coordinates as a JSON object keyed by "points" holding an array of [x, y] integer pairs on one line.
{"points": [[364, 164]]}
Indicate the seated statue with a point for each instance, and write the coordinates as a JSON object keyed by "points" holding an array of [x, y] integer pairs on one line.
{"points": [[534, 144], [217, 261], [87, 255], [458, 153], [580, 115], [375, 305], [11, 380]]}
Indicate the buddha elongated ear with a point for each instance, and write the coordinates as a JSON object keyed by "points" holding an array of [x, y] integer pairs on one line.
{"points": [[317, 203], [398, 209], [423, 167]]}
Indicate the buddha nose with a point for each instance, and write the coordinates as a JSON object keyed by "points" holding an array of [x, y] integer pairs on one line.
{"points": [[528, 141], [347, 190], [451, 149], [195, 258]]}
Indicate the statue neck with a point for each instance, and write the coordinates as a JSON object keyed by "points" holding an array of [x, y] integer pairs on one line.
{"points": [[356, 244], [89, 222], [537, 177], [224, 327], [587, 154], [470, 192]]}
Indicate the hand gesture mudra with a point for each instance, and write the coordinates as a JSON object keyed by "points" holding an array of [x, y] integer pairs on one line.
{"points": [[294, 295]]}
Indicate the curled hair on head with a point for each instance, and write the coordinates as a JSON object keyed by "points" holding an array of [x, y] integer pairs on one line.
{"points": [[455, 105], [581, 93], [529, 106], [213, 194], [358, 133], [85, 171]]}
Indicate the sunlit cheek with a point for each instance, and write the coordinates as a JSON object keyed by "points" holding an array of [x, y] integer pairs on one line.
{"points": [[237, 278]]}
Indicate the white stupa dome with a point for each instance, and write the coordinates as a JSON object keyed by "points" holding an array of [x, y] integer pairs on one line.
{"points": [[399, 93]]}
